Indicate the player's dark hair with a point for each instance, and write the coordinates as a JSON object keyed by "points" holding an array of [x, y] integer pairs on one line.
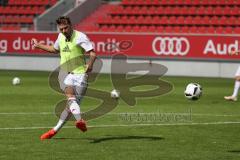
{"points": [[63, 20]]}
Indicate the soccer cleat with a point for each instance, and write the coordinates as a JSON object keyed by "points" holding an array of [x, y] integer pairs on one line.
{"points": [[230, 98], [48, 135], [81, 124]]}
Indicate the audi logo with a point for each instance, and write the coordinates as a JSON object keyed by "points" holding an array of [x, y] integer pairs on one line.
{"points": [[171, 46]]}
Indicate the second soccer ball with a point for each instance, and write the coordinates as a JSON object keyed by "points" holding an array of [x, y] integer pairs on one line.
{"points": [[193, 91], [115, 94], [16, 81]]}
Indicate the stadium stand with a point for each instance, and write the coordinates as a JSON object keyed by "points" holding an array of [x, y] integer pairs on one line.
{"points": [[171, 16], [167, 16], [19, 14]]}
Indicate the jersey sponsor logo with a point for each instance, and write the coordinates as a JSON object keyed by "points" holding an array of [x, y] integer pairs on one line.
{"points": [[171, 46]]}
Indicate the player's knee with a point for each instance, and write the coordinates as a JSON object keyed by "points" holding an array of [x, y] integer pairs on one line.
{"points": [[69, 91]]}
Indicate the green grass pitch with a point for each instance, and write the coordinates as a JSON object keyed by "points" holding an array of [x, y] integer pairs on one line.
{"points": [[167, 127]]}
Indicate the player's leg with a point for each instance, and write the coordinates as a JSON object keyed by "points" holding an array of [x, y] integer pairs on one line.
{"points": [[72, 102], [233, 97], [80, 87], [236, 87], [75, 108], [66, 112], [63, 117]]}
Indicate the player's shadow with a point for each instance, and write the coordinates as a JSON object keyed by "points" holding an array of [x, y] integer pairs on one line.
{"points": [[111, 138], [234, 151]]}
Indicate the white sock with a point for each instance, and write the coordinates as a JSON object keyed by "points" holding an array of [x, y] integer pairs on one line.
{"points": [[236, 88], [75, 109], [62, 120]]}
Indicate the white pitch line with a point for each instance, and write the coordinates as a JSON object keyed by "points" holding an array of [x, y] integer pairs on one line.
{"points": [[128, 113], [26, 113], [130, 125]]}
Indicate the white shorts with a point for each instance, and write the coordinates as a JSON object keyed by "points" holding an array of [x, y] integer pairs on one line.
{"points": [[77, 81], [237, 72]]}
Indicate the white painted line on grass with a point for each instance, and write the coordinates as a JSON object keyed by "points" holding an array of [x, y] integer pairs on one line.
{"points": [[131, 125], [129, 113], [26, 113]]}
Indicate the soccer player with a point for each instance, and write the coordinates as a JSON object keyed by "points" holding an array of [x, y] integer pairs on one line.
{"points": [[71, 44], [233, 97]]}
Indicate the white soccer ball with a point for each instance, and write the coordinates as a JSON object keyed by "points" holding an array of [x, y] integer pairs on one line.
{"points": [[193, 91], [115, 94], [16, 81]]}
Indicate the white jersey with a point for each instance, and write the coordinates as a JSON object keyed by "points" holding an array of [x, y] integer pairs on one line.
{"points": [[83, 41]]}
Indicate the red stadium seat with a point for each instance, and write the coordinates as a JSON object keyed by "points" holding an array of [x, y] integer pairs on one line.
{"points": [[236, 30], [187, 2], [202, 29], [172, 20], [163, 20], [206, 20], [136, 28], [193, 29], [168, 29], [200, 10], [128, 28], [210, 29], [219, 30], [185, 29], [132, 20], [168, 10], [183, 11], [147, 20], [197, 20], [214, 20], [223, 20], [176, 10], [232, 21], [209, 10], [192, 11], [104, 28], [156, 20], [228, 30], [160, 10], [235, 11], [180, 16], [180, 20], [204, 2], [228, 10], [112, 28], [119, 28], [160, 29], [156, 2], [189, 20], [219, 11], [152, 29], [152, 10], [176, 29], [143, 29]]}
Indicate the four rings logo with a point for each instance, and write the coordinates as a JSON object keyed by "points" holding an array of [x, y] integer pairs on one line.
{"points": [[171, 46]]}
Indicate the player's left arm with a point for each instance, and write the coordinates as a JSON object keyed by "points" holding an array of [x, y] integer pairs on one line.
{"points": [[87, 45], [92, 58]]}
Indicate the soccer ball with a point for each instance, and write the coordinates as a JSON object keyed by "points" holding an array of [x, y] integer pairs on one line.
{"points": [[115, 94], [16, 81], [193, 91]]}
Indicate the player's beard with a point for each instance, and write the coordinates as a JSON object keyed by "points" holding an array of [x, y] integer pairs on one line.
{"points": [[68, 35]]}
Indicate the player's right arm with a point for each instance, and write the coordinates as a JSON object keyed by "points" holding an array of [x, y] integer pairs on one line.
{"points": [[44, 47]]}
